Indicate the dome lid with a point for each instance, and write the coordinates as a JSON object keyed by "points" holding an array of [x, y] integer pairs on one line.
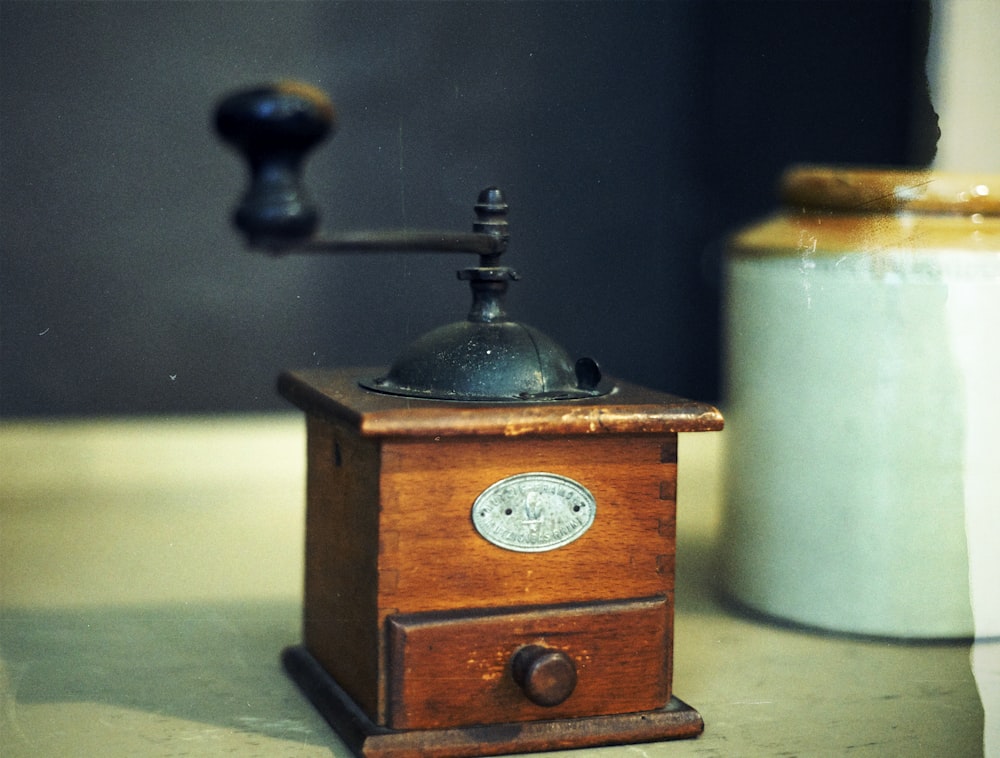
{"points": [[489, 361]]}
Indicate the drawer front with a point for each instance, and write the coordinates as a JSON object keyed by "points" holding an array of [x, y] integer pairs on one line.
{"points": [[449, 668]]}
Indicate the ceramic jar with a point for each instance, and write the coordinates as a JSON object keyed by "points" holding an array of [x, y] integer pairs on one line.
{"points": [[863, 405]]}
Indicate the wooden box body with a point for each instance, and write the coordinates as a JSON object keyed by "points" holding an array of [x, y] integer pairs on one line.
{"points": [[416, 616]]}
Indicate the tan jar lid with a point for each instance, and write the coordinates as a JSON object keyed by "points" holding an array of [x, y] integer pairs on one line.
{"points": [[830, 210], [881, 190]]}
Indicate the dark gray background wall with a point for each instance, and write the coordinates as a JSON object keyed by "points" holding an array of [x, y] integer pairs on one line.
{"points": [[630, 138]]}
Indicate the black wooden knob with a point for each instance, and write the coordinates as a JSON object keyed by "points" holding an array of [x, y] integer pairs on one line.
{"points": [[275, 126], [546, 675]]}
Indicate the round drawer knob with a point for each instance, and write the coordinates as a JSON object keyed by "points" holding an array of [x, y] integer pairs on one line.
{"points": [[546, 675]]}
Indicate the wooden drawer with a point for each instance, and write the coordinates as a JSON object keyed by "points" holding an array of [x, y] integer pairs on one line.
{"points": [[452, 668]]}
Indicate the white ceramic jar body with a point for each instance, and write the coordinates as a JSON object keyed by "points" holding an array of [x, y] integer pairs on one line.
{"points": [[863, 405]]}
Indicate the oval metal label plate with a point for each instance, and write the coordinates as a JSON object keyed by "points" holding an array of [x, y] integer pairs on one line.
{"points": [[533, 512]]}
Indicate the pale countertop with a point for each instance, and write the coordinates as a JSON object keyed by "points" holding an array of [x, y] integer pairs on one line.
{"points": [[150, 575]]}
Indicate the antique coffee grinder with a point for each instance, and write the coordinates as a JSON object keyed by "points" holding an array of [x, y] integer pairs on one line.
{"points": [[490, 529]]}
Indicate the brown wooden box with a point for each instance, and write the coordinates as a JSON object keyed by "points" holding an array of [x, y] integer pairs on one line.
{"points": [[406, 604]]}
